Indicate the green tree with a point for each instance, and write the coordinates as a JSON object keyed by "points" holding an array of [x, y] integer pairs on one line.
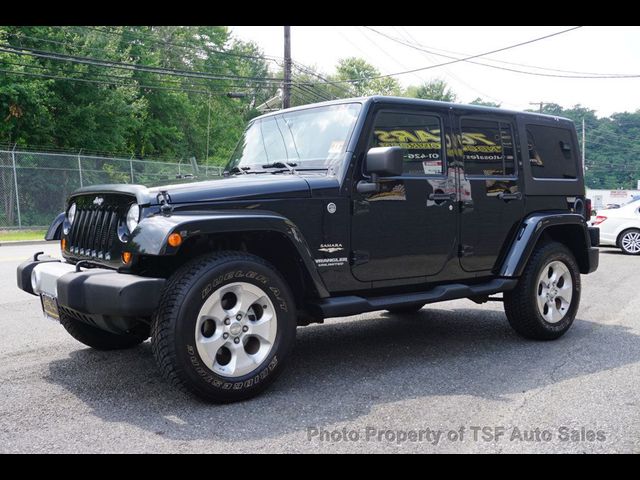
{"points": [[485, 103], [436, 89], [365, 78]]}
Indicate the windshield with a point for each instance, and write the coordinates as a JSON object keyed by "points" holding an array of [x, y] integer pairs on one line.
{"points": [[310, 139]]}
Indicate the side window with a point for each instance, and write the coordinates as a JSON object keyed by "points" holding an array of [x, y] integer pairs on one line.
{"points": [[488, 148], [420, 137], [551, 153]]}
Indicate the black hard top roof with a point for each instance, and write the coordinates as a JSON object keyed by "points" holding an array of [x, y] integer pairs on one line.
{"points": [[407, 101]]}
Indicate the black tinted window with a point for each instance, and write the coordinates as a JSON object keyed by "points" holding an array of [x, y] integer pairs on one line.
{"points": [[420, 137], [551, 152], [488, 147]]}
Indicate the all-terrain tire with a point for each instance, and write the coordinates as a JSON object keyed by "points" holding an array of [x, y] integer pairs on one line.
{"points": [[522, 304], [175, 334]]}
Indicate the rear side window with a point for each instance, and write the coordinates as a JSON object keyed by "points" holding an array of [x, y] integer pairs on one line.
{"points": [[551, 152], [488, 148], [419, 136]]}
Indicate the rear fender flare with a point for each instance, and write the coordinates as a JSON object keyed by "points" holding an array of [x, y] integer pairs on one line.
{"points": [[530, 232]]}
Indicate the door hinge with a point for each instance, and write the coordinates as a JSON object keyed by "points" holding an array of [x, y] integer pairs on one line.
{"points": [[465, 250], [359, 257]]}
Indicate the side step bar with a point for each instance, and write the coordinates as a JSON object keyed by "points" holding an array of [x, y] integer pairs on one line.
{"points": [[354, 305]]}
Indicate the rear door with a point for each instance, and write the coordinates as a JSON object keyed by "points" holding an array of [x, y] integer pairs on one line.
{"points": [[492, 202]]}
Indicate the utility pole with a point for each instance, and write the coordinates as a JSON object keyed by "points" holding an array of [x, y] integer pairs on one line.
{"points": [[286, 87], [584, 144], [15, 183], [80, 167], [206, 156], [540, 105]]}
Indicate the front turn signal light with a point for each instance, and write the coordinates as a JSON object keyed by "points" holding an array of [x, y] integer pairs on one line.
{"points": [[63, 244], [174, 240], [126, 257]]}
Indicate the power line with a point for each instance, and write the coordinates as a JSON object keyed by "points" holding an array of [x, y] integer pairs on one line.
{"points": [[384, 52], [433, 50], [457, 60], [22, 36], [128, 66], [303, 95], [305, 69], [315, 93], [469, 59], [182, 45], [448, 72], [123, 77], [101, 82]]}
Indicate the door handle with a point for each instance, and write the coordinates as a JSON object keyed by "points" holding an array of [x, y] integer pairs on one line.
{"points": [[507, 197], [441, 197]]}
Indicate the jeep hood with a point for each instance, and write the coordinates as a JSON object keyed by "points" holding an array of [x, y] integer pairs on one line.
{"points": [[239, 187]]}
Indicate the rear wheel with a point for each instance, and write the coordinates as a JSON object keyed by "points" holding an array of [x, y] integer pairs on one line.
{"points": [[100, 339], [225, 327], [629, 241], [544, 304]]}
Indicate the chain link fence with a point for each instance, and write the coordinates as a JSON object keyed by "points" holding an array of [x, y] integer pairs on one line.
{"points": [[34, 186]]}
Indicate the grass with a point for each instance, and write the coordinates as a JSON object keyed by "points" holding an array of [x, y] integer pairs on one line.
{"points": [[15, 235]]}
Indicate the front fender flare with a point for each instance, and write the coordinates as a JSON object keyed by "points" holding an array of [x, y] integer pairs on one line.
{"points": [[150, 237], [54, 231]]}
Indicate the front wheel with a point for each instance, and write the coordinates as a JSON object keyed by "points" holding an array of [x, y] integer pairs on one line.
{"points": [[544, 304], [225, 327]]}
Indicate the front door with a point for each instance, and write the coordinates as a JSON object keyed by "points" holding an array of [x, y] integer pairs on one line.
{"points": [[492, 203], [407, 230]]}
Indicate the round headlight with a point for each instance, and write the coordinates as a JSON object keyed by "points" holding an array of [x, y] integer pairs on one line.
{"points": [[133, 217], [71, 213]]}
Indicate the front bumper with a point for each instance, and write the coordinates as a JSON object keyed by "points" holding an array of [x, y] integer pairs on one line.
{"points": [[103, 298]]}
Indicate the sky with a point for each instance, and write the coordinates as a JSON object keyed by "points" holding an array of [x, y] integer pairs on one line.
{"points": [[591, 50]]}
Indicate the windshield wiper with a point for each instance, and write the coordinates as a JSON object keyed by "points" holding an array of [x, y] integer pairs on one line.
{"points": [[288, 165], [242, 170]]}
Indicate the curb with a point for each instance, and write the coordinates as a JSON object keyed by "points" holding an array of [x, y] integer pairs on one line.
{"points": [[23, 242]]}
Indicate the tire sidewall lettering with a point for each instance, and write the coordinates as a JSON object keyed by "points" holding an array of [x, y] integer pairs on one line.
{"points": [[202, 293]]}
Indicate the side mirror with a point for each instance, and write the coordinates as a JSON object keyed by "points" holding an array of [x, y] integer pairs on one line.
{"points": [[384, 161], [381, 162]]}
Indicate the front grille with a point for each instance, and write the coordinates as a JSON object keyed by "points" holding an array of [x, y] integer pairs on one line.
{"points": [[95, 229]]}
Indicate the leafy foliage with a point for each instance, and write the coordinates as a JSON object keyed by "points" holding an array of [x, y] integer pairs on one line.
{"points": [[362, 72], [111, 109], [436, 89], [50, 104]]}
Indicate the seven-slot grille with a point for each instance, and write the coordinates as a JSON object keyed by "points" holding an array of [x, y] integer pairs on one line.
{"points": [[95, 228]]}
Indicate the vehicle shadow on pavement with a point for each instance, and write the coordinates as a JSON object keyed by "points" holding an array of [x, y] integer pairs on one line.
{"points": [[615, 252], [341, 371]]}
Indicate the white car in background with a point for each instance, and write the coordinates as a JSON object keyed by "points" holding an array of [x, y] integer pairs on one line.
{"points": [[620, 227]]}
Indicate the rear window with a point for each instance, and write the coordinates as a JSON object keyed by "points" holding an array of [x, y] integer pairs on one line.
{"points": [[551, 152]]}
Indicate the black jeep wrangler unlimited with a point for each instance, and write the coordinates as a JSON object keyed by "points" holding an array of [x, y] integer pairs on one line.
{"points": [[326, 210]]}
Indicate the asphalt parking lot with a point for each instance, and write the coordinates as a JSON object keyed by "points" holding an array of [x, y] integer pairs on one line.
{"points": [[373, 383]]}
